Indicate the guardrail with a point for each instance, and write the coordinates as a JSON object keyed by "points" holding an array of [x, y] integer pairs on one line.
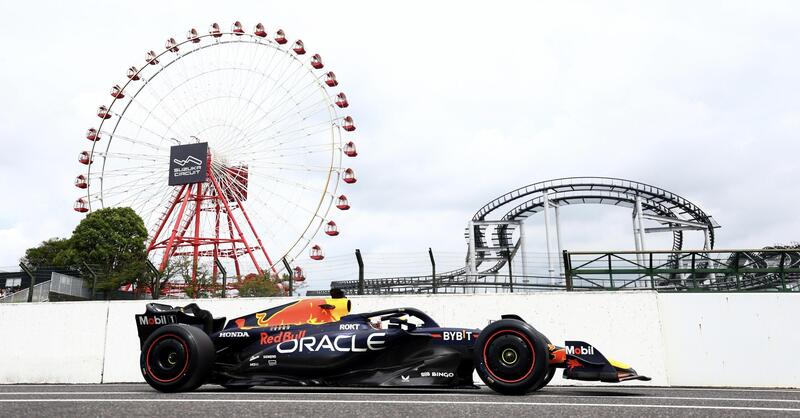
{"points": [[664, 271], [697, 270]]}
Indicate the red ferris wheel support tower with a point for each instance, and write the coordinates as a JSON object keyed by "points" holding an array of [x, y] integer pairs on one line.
{"points": [[224, 197]]}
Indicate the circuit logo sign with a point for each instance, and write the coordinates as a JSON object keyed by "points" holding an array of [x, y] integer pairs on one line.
{"points": [[341, 343], [188, 160], [187, 163], [157, 320]]}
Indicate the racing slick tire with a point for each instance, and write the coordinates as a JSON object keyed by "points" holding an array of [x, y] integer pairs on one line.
{"points": [[551, 371], [510, 356], [177, 358]]}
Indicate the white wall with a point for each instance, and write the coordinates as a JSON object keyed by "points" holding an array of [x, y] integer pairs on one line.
{"points": [[735, 339], [52, 342], [678, 339]]}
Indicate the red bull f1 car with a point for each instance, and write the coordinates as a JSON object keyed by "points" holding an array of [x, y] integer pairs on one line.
{"points": [[319, 342]]}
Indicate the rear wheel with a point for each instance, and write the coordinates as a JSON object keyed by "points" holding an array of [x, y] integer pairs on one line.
{"points": [[511, 357], [177, 358]]}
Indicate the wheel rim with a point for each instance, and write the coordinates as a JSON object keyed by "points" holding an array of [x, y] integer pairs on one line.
{"points": [[509, 356], [167, 358]]}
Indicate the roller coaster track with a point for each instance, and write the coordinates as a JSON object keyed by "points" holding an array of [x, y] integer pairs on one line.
{"points": [[506, 212]]}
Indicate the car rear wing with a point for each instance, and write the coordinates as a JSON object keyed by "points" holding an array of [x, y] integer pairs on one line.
{"points": [[157, 315]]}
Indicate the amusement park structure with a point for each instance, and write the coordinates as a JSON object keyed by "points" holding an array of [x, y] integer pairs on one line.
{"points": [[497, 230], [229, 144], [496, 238]]}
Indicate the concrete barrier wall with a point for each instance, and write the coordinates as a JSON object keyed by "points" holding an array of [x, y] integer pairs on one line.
{"points": [[52, 342], [678, 339], [736, 339]]}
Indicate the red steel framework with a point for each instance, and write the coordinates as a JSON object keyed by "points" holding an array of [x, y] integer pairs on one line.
{"points": [[223, 205]]}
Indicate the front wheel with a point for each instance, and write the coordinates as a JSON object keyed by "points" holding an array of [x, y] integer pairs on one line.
{"points": [[177, 358], [511, 357]]}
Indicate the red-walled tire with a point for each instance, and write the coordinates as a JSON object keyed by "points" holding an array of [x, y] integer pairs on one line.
{"points": [[177, 358], [511, 357]]}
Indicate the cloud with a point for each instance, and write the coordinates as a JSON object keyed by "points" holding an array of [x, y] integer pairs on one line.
{"points": [[456, 103]]}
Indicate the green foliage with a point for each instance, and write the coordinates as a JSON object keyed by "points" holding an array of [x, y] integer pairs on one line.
{"points": [[263, 285], [51, 253], [181, 268], [111, 241]]}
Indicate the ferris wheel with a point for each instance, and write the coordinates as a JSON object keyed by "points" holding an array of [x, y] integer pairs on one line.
{"points": [[229, 144]]}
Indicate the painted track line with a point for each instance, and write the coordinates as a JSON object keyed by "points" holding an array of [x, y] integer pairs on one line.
{"points": [[267, 393], [398, 402], [677, 388]]}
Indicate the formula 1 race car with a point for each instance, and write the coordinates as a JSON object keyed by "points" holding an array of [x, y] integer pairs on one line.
{"points": [[318, 342]]}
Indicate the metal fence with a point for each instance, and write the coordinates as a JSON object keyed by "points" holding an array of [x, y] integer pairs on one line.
{"points": [[700, 270], [60, 285], [665, 271]]}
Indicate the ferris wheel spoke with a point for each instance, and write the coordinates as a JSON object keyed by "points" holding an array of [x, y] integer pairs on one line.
{"points": [[264, 116], [297, 133], [284, 83], [279, 155], [153, 115], [270, 69], [133, 156], [311, 148], [112, 135], [289, 93], [147, 168], [109, 195], [286, 98], [287, 182], [135, 181], [139, 200], [248, 87], [299, 115], [291, 167], [305, 93], [268, 208], [285, 122], [141, 127], [263, 204], [292, 203]]}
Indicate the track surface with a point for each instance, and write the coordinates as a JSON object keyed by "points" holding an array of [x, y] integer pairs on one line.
{"points": [[613, 401]]}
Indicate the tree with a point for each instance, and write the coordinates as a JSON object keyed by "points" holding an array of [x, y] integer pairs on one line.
{"points": [[112, 240], [260, 285], [53, 252], [179, 269]]}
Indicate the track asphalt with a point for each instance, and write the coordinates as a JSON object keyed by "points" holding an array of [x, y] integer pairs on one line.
{"points": [[139, 400]]}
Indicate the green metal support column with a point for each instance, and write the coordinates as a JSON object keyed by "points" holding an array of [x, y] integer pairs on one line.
{"points": [[610, 272], [360, 272], [33, 280], [567, 270], [736, 270], [224, 276]]}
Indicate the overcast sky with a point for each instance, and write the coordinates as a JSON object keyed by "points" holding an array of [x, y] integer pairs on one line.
{"points": [[455, 103]]}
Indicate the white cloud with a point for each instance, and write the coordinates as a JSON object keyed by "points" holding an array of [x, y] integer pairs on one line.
{"points": [[456, 102]]}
